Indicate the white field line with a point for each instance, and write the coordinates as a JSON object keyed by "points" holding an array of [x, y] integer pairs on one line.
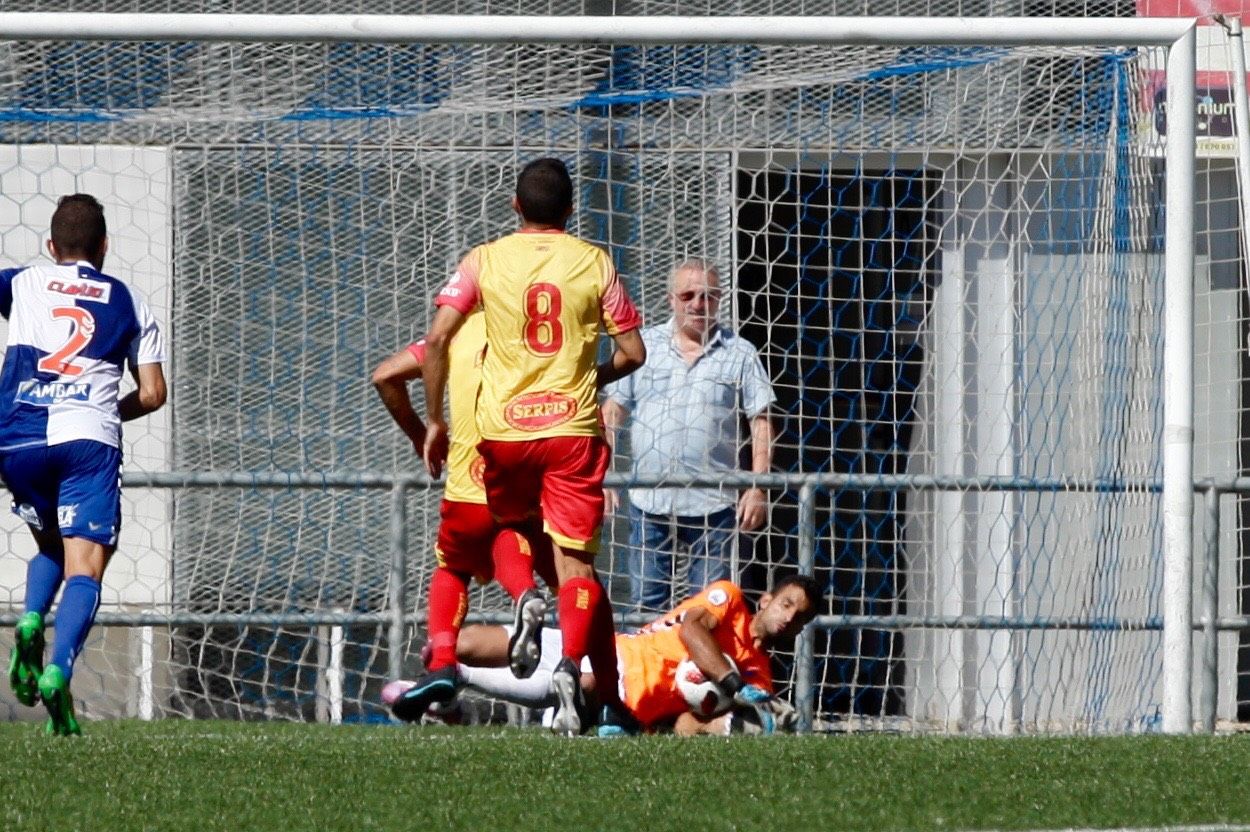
{"points": [[1213, 827]]}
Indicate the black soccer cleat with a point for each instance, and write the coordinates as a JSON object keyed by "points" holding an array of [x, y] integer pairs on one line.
{"points": [[525, 648], [436, 686], [617, 721]]}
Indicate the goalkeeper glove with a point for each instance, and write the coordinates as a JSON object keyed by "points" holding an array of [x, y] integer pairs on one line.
{"points": [[787, 718], [751, 696], [742, 693]]}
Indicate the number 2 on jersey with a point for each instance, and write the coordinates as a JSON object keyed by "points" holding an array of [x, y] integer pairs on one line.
{"points": [[82, 328], [543, 333]]}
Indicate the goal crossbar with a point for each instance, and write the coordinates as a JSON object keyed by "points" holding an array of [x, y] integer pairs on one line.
{"points": [[892, 31]]}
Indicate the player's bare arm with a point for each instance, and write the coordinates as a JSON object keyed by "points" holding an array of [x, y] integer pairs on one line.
{"points": [[753, 504], [148, 397], [391, 379], [447, 321], [696, 632], [629, 355]]}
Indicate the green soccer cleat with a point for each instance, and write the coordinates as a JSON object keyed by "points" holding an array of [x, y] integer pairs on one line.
{"points": [[54, 689], [26, 660]]}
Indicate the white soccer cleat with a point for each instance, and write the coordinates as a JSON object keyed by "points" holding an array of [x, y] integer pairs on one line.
{"points": [[566, 684], [525, 649]]}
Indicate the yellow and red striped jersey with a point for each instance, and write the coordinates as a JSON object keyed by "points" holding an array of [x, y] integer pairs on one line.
{"points": [[464, 376], [545, 295]]}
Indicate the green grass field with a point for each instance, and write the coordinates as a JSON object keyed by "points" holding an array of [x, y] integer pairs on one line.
{"points": [[232, 776]]}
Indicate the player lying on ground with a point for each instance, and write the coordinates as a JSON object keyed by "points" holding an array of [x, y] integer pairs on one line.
{"points": [[546, 295], [72, 329], [470, 544], [708, 629]]}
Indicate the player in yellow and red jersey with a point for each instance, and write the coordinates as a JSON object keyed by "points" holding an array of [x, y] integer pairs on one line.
{"points": [[705, 628], [470, 544], [546, 296]]}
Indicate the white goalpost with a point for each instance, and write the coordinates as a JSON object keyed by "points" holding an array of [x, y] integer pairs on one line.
{"points": [[945, 237]]}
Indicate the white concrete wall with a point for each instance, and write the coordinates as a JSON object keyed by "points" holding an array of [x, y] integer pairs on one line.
{"points": [[1041, 385]]}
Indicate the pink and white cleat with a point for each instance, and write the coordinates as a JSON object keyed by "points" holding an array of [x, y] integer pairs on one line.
{"points": [[394, 690]]}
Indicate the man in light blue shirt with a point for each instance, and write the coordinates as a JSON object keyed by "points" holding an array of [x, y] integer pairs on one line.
{"points": [[687, 406]]}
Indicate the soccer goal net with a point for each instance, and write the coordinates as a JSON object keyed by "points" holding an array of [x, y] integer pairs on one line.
{"points": [[948, 251]]}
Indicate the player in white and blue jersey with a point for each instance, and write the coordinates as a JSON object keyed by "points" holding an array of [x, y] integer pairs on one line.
{"points": [[72, 329]]}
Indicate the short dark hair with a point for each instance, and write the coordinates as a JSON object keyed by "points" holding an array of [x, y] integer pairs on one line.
{"points": [[811, 588], [544, 192], [78, 225]]}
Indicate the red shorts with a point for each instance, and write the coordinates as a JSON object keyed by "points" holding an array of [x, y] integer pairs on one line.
{"points": [[466, 532], [559, 477], [466, 535]]}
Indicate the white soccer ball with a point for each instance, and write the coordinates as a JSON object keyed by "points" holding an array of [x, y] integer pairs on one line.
{"points": [[703, 696]]}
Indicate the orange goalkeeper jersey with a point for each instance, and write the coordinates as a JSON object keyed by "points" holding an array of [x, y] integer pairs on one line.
{"points": [[545, 294], [648, 659], [464, 375]]}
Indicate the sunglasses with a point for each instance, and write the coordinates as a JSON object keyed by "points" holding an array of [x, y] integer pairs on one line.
{"points": [[690, 295]]}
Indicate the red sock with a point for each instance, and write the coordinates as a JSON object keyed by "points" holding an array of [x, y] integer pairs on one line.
{"points": [[603, 652], [514, 562], [577, 599], [449, 601]]}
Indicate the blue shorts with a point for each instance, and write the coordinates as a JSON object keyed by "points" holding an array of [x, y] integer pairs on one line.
{"points": [[75, 487]]}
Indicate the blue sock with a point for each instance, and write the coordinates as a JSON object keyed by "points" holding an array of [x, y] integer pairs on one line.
{"points": [[74, 616], [43, 579]]}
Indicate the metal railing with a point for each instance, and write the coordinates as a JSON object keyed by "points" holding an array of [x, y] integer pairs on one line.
{"points": [[805, 486]]}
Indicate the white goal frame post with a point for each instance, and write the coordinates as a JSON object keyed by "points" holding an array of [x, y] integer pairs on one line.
{"points": [[1176, 35]]}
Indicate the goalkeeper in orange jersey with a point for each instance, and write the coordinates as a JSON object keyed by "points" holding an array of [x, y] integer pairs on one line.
{"points": [[705, 629], [469, 544], [545, 296]]}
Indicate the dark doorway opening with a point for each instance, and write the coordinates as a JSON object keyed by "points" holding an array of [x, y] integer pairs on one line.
{"points": [[835, 270]]}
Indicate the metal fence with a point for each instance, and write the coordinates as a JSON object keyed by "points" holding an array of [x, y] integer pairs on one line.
{"points": [[398, 616]]}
